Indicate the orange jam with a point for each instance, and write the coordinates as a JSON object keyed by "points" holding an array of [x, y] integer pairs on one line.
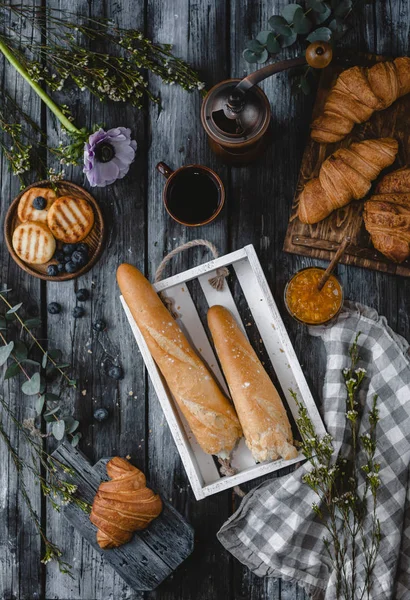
{"points": [[306, 303]]}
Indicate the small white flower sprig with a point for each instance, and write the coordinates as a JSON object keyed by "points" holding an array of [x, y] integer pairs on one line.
{"points": [[336, 479]]}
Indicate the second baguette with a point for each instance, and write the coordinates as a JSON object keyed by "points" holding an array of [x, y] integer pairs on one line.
{"points": [[262, 415], [209, 413]]}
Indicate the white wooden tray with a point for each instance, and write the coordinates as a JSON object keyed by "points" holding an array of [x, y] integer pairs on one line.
{"points": [[201, 468]]}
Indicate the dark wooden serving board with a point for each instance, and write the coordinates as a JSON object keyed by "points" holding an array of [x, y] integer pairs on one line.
{"points": [[152, 554], [322, 239]]}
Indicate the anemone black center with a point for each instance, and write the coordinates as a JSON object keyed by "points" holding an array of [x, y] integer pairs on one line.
{"points": [[104, 152]]}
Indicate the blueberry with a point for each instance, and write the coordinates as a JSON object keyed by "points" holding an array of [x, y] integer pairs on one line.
{"points": [[101, 414], [78, 312], [99, 325], [83, 248], [69, 248], [67, 258], [39, 203], [82, 295], [115, 372], [59, 255], [54, 308], [79, 258], [70, 267], [61, 268], [52, 270]]}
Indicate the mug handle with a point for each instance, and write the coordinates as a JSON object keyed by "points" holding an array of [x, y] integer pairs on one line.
{"points": [[164, 169]]}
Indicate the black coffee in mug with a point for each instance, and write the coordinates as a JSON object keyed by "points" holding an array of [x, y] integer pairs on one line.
{"points": [[193, 195]]}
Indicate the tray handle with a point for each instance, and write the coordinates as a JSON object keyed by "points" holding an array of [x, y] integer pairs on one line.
{"points": [[216, 281]]}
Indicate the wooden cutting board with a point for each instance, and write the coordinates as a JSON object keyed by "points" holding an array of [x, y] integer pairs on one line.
{"points": [[152, 554], [322, 239]]}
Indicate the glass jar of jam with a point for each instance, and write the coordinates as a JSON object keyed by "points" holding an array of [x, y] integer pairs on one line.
{"points": [[309, 305]]}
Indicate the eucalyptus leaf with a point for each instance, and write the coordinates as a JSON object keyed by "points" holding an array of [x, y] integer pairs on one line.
{"points": [[14, 308], [318, 6], [32, 386], [320, 17], [40, 404], [10, 317], [280, 25], [52, 397], [254, 46], [5, 291], [263, 57], [53, 411], [272, 44], [289, 11], [3, 323], [288, 41], [32, 323], [58, 429], [5, 352], [72, 382], [301, 23], [322, 34], [62, 366], [12, 371], [55, 354], [44, 361], [249, 56], [76, 439], [51, 372], [262, 36], [71, 424], [29, 361], [20, 350]]}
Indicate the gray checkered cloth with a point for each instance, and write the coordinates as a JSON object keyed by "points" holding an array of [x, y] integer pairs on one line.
{"points": [[275, 532]]}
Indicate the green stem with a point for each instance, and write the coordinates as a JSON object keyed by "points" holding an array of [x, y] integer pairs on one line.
{"points": [[65, 122]]}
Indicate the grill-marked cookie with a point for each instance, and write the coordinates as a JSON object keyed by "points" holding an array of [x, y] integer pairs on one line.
{"points": [[26, 211], [34, 243], [70, 219]]}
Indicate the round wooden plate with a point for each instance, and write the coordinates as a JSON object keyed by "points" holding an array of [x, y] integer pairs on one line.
{"points": [[94, 239]]}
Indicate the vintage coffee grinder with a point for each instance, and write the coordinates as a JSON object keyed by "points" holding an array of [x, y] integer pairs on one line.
{"points": [[236, 113]]}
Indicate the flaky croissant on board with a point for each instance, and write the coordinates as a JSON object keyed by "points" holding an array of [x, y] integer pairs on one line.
{"points": [[344, 176], [262, 415], [387, 215], [209, 413], [357, 93], [123, 505]]}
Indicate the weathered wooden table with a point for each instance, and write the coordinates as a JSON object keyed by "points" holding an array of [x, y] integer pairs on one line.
{"points": [[210, 34]]}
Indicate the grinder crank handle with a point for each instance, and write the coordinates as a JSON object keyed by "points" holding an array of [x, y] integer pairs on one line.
{"points": [[248, 82]]}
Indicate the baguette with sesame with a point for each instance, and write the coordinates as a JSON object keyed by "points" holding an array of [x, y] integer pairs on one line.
{"points": [[262, 415], [210, 414]]}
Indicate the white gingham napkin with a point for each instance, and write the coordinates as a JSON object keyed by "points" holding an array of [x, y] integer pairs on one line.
{"points": [[275, 532]]}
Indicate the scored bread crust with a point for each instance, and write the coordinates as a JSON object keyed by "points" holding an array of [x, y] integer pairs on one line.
{"points": [[33, 242], [209, 413], [261, 413], [70, 219], [25, 210]]}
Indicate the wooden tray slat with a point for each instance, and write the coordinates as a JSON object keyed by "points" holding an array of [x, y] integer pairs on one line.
{"points": [[322, 239]]}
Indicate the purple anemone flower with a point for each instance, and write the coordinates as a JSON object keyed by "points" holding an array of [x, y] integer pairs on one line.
{"points": [[108, 155]]}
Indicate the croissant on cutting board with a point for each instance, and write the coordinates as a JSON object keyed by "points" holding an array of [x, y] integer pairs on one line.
{"points": [[123, 505], [387, 215], [344, 176], [357, 93]]}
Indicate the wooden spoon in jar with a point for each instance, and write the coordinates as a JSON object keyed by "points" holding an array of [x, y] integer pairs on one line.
{"points": [[341, 250]]}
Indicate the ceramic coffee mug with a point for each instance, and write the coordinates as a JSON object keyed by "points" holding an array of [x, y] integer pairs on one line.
{"points": [[193, 195]]}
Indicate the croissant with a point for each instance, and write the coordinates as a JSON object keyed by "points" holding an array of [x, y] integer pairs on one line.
{"points": [[123, 505], [357, 93], [345, 175], [387, 215]]}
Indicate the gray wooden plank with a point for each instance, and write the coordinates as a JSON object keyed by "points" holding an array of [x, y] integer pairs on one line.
{"points": [[153, 553], [197, 31], [20, 547], [124, 433]]}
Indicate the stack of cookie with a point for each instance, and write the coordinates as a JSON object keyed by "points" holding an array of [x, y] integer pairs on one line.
{"points": [[49, 227]]}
